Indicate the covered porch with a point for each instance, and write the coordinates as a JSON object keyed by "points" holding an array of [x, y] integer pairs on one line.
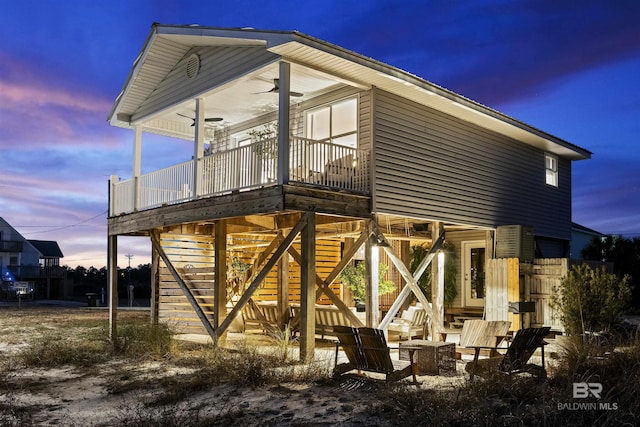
{"points": [[210, 272], [319, 164]]}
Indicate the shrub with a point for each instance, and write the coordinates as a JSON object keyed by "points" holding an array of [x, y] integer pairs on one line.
{"points": [[590, 300], [354, 277], [143, 340], [418, 253]]}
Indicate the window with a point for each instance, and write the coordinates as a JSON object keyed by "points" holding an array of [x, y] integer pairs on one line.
{"points": [[336, 123], [551, 167]]}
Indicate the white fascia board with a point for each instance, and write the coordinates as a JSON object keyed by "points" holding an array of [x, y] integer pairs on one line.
{"points": [[247, 36], [486, 116], [137, 63]]}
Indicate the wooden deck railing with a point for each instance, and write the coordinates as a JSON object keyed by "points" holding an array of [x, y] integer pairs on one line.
{"points": [[244, 168], [22, 272]]}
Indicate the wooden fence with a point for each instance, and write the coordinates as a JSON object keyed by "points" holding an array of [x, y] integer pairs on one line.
{"points": [[541, 282], [508, 280]]}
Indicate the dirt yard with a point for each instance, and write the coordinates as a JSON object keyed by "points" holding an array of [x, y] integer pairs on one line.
{"points": [[105, 389], [59, 368]]}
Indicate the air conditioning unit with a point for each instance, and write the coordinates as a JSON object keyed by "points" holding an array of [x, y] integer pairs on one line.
{"points": [[515, 241]]}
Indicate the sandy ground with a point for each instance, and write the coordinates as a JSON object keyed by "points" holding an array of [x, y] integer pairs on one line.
{"points": [[72, 397], [122, 393], [86, 397]]}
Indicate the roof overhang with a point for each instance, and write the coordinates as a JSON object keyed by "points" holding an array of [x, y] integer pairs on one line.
{"points": [[314, 54]]}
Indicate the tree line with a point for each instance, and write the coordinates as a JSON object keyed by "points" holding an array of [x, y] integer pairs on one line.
{"points": [[624, 253], [94, 280]]}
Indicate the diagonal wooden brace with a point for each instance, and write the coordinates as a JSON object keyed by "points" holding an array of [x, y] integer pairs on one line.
{"points": [[412, 282], [323, 286], [259, 277]]}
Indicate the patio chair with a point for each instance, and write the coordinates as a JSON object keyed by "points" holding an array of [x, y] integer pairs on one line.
{"points": [[515, 360], [367, 350], [486, 334], [410, 324]]}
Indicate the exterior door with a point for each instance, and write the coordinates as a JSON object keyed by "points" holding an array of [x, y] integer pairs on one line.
{"points": [[473, 273]]}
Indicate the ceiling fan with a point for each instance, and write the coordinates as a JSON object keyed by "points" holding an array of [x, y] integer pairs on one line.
{"points": [[207, 119], [276, 89]]}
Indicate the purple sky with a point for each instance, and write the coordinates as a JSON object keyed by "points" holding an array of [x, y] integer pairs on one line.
{"points": [[571, 68]]}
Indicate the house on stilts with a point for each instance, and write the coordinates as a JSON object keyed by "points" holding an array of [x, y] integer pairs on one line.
{"points": [[299, 157]]}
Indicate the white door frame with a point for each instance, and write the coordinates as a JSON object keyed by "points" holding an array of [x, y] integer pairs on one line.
{"points": [[466, 247]]}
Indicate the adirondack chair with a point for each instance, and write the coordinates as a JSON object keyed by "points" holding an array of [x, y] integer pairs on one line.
{"points": [[367, 350], [524, 344], [485, 334], [410, 324]]}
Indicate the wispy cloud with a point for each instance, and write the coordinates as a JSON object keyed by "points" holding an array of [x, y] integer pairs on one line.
{"points": [[34, 110], [496, 52], [59, 76]]}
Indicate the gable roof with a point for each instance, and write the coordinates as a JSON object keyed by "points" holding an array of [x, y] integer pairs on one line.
{"points": [[166, 45], [48, 248], [582, 229]]}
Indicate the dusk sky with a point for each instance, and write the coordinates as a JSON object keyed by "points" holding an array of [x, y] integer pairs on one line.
{"points": [[570, 68]]}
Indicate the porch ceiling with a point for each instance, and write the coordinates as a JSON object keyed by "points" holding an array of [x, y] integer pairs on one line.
{"points": [[238, 101], [242, 99]]}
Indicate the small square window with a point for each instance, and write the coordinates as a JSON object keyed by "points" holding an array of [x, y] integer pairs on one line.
{"points": [[551, 167]]}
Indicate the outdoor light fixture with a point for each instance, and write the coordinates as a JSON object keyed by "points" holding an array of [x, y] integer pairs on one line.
{"points": [[421, 226]]}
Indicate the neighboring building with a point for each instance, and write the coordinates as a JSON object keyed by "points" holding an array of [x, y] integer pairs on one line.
{"points": [[293, 136], [581, 236], [34, 261]]}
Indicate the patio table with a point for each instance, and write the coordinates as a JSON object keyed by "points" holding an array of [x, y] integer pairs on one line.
{"points": [[432, 357]]}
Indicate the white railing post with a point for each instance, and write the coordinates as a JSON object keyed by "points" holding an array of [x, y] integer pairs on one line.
{"points": [[113, 202], [137, 158], [198, 149], [283, 122]]}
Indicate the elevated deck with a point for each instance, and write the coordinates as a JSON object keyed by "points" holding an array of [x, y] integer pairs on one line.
{"points": [[269, 200], [314, 163]]}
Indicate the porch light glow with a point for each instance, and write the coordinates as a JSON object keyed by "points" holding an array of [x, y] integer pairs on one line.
{"points": [[439, 300]]}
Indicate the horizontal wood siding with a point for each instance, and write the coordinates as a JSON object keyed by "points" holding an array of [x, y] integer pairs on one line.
{"points": [[364, 121], [193, 257], [252, 248], [218, 65], [434, 166]]}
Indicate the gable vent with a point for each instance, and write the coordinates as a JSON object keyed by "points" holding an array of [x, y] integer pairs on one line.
{"points": [[193, 66]]}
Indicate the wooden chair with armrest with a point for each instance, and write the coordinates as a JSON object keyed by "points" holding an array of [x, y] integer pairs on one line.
{"points": [[366, 350], [516, 359]]}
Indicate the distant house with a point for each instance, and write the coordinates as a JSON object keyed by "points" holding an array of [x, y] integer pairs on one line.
{"points": [[35, 261], [581, 236], [301, 153]]}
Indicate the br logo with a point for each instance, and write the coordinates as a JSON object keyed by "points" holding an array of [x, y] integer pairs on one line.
{"points": [[584, 390]]}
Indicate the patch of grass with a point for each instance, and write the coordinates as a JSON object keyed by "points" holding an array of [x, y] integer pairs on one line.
{"points": [[55, 350], [143, 340], [85, 342], [203, 366], [282, 341]]}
